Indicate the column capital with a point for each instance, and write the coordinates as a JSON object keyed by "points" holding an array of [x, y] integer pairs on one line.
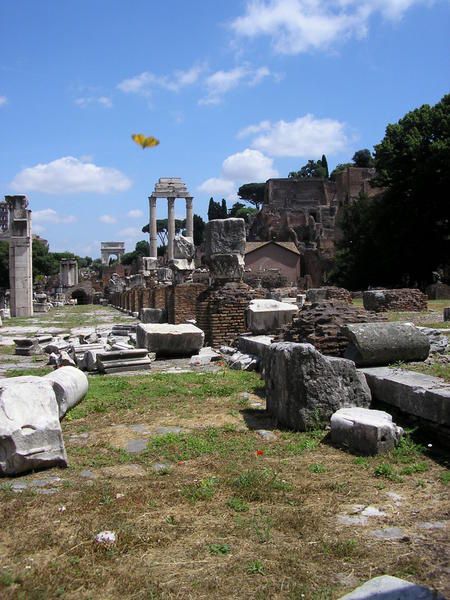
{"points": [[189, 201], [171, 200], [152, 200]]}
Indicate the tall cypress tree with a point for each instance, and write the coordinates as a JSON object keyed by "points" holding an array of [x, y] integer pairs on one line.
{"points": [[325, 166], [224, 209]]}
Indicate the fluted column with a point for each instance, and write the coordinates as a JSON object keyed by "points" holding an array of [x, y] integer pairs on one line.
{"points": [[170, 227], [152, 228], [189, 220]]}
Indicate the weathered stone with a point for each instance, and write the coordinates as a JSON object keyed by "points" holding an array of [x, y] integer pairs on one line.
{"points": [[420, 395], [320, 325], [386, 587], [328, 293], [170, 340], [27, 347], [304, 388], [70, 386], [225, 236], [256, 344], [266, 316], [364, 431], [183, 248], [226, 267], [123, 360], [438, 342], [65, 360], [374, 344], [153, 315], [404, 299], [242, 362], [30, 431]]}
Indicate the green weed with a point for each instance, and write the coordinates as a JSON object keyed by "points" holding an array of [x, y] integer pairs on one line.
{"points": [[255, 567], [219, 549], [202, 490], [237, 504], [317, 468]]}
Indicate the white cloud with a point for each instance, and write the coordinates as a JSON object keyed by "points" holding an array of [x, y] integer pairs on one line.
{"points": [[249, 165], [144, 83], [3, 100], [242, 167], [48, 215], [103, 101], [221, 82], [38, 229], [68, 175], [296, 26], [215, 186], [306, 137], [135, 213], [108, 219], [132, 233]]}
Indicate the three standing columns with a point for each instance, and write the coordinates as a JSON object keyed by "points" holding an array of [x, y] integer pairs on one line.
{"points": [[170, 225]]}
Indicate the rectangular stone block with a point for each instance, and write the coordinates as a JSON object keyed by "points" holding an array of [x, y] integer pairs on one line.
{"points": [[225, 236], [170, 340]]}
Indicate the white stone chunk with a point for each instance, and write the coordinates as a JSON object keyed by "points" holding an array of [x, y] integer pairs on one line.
{"points": [[265, 316], [387, 587], [70, 386], [30, 431], [170, 340]]}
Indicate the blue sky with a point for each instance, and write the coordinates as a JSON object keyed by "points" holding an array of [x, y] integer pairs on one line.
{"points": [[236, 91]]}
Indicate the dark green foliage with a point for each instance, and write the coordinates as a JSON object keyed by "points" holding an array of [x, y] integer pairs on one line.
{"points": [[340, 167], [240, 211], [313, 168], [254, 193], [215, 210], [402, 237], [142, 248], [363, 158], [199, 230], [325, 165], [224, 209]]}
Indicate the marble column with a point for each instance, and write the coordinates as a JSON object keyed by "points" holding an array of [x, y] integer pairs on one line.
{"points": [[170, 227], [189, 219], [152, 228]]}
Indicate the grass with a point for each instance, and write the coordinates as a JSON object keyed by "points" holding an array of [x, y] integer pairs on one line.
{"points": [[234, 516]]}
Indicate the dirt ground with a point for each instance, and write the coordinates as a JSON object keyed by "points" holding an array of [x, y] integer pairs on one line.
{"points": [[206, 498]]}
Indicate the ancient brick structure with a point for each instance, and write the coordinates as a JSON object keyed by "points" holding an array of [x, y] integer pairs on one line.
{"points": [[404, 299], [182, 300], [306, 212], [221, 312], [329, 293], [320, 325]]}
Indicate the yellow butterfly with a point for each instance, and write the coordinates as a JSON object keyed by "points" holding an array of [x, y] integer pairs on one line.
{"points": [[144, 141]]}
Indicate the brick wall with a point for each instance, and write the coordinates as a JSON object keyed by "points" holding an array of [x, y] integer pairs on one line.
{"points": [[182, 301], [220, 312]]}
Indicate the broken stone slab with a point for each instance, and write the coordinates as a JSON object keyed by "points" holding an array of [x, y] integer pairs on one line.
{"points": [[242, 362], [30, 431], [183, 248], [386, 587], [170, 340], [124, 360], [255, 344], [438, 342], [420, 395], [225, 236], [205, 357], [266, 316], [364, 431], [376, 344], [63, 359], [153, 315], [70, 386], [27, 347], [304, 388]]}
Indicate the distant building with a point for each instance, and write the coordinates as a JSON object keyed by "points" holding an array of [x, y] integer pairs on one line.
{"points": [[283, 257]]}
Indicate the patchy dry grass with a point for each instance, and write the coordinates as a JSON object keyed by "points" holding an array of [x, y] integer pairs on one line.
{"points": [[227, 514], [232, 516]]}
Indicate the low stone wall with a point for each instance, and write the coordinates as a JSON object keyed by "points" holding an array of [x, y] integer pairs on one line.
{"points": [[221, 312], [320, 325], [329, 293], [403, 299]]}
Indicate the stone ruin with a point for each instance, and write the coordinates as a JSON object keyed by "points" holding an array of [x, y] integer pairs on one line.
{"points": [[404, 299], [221, 309]]}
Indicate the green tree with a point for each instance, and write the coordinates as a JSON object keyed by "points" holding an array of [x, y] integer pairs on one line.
{"points": [[239, 210], [401, 238], [338, 168], [224, 209], [363, 158], [253, 193], [313, 168], [142, 248], [324, 163], [199, 230], [215, 210]]}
